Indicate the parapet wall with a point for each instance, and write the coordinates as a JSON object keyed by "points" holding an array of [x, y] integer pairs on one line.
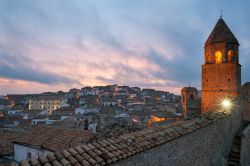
{"points": [[203, 140], [245, 147], [208, 145]]}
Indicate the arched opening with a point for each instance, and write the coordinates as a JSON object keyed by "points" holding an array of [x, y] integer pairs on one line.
{"points": [[192, 97], [218, 57], [230, 54]]}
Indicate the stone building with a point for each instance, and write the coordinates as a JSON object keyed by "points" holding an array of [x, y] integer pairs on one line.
{"points": [[190, 101], [221, 71], [246, 97], [49, 103]]}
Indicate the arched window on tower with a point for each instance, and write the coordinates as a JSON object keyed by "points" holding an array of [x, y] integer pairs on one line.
{"points": [[218, 57], [230, 54]]}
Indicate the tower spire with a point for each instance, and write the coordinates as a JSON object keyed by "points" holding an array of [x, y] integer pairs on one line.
{"points": [[220, 13]]}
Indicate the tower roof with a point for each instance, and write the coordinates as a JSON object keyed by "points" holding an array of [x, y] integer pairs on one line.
{"points": [[221, 33]]}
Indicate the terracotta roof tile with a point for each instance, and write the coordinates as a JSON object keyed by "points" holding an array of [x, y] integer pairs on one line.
{"points": [[64, 162], [43, 160], [66, 153], [85, 147], [58, 155], [24, 163], [6, 137], [92, 161], [34, 162], [85, 163], [79, 149], [47, 164], [51, 157], [86, 156], [72, 160], [54, 138], [56, 163], [111, 150], [73, 151], [91, 147]]}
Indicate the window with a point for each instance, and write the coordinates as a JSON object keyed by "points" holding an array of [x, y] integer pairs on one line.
{"points": [[192, 97], [29, 155], [218, 57], [230, 55]]}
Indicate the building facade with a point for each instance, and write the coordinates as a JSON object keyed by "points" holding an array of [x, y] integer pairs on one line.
{"points": [[49, 103], [221, 71], [190, 101]]}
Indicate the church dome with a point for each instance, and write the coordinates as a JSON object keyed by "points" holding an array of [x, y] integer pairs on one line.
{"points": [[221, 33]]}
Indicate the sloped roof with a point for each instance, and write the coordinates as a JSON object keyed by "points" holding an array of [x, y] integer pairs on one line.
{"points": [[6, 137], [53, 138], [221, 33], [110, 150], [189, 89]]}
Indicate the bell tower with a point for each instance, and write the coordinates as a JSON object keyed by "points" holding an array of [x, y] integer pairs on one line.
{"points": [[221, 71]]}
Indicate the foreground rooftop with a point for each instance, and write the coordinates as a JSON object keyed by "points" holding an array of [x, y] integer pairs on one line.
{"points": [[111, 150]]}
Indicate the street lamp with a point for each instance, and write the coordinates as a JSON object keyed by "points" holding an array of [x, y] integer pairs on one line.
{"points": [[226, 104]]}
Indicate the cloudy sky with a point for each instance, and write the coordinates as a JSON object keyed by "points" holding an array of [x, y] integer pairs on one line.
{"points": [[51, 45]]}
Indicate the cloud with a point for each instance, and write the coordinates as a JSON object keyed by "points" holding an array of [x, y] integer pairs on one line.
{"points": [[146, 43], [20, 68]]}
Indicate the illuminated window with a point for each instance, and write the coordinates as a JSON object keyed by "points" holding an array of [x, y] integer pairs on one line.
{"points": [[230, 55], [218, 57]]}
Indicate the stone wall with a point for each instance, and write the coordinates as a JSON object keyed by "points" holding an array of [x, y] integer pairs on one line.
{"points": [[206, 146], [245, 147], [246, 96]]}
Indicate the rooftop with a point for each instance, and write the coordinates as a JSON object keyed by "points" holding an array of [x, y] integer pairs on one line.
{"points": [[53, 138], [111, 150], [49, 97], [221, 33], [6, 137]]}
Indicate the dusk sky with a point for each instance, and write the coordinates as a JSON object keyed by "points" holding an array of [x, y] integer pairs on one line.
{"points": [[52, 45]]}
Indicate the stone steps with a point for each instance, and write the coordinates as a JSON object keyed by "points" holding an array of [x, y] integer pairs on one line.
{"points": [[234, 155], [232, 163]]}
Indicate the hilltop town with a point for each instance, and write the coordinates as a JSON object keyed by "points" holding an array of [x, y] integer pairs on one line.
{"points": [[122, 125], [101, 111]]}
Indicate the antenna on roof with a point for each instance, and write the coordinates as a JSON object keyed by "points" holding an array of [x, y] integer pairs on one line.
{"points": [[220, 13]]}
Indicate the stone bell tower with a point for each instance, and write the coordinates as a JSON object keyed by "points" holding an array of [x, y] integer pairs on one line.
{"points": [[221, 71]]}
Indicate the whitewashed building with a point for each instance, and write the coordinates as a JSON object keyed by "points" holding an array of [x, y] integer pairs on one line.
{"points": [[14, 112], [25, 151], [109, 102], [81, 110]]}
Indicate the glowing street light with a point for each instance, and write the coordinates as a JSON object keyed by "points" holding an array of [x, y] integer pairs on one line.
{"points": [[226, 104]]}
